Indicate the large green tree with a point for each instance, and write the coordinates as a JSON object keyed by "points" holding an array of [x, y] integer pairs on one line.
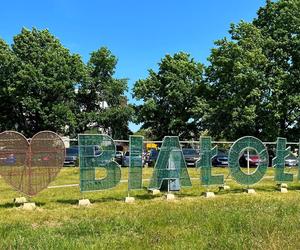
{"points": [[40, 84], [254, 76], [279, 22], [239, 90], [8, 102], [169, 97], [101, 97]]}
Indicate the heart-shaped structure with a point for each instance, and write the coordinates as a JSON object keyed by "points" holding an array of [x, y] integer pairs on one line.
{"points": [[30, 167]]}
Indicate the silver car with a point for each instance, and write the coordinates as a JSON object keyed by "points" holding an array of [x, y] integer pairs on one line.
{"points": [[125, 161], [291, 161]]}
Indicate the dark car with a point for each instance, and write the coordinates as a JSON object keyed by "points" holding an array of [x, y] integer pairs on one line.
{"points": [[152, 157], [221, 159], [191, 155], [71, 156], [119, 157]]}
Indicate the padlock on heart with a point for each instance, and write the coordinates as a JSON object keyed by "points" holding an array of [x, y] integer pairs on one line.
{"points": [[29, 167]]}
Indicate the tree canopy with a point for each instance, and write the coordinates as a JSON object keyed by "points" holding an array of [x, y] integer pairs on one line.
{"points": [[255, 76], [101, 96], [38, 82], [169, 96]]}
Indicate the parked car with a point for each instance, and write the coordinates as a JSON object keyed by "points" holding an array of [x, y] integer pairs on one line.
{"points": [[152, 157], [291, 161], [119, 157], [125, 161], [71, 156], [221, 159], [10, 160], [191, 155], [271, 154], [254, 160]]}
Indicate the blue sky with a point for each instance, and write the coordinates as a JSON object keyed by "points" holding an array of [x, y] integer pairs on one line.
{"points": [[139, 33]]}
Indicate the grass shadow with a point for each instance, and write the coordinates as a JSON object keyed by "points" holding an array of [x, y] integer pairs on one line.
{"points": [[183, 195], [12, 204], [9, 205], [68, 201], [106, 199], [148, 196], [99, 200], [294, 188]]}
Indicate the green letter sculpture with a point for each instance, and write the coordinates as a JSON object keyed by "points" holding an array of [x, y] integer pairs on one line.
{"points": [[207, 153], [234, 154], [97, 151], [135, 162], [170, 164], [278, 162]]}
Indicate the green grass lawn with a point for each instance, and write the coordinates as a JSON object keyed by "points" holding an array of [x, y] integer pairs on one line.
{"points": [[231, 220]]}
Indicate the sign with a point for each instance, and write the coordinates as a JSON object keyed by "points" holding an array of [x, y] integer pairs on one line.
{"points": [[171, 166], [30, 165]]}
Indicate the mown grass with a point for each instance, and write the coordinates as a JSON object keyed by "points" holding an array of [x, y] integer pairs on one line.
{"points": [[231, 220]]}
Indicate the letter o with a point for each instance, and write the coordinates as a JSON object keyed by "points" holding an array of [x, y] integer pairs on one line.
{"points": [[234, 154]]}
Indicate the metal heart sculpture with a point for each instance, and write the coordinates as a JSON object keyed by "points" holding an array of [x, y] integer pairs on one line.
{"points": [[30, 167]]}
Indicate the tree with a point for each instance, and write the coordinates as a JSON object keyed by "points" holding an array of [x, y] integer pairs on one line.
{"points": [[279, 22], [146, 133], [239, 91], [101, 96], [254, 77], [8, 103], [41, 84], [169, 97]]}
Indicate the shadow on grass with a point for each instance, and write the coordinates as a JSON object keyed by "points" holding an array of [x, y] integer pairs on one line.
{"points": [[12, 204], [69, 201], [183, 195], [241, 190], [9, 205], [294, 188], [147, 196], [100, 200]]}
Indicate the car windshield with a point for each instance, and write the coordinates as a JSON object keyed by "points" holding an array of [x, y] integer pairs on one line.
{"points": [[72, 151], [291, 157], [222, 153]]}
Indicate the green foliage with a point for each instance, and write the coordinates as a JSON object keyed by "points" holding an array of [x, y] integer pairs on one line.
{"points": [[42, 83], [169, 97], [38, 78], [238, 85], [254, 77], [101, 96], [7, 88], [146, 133], [279, 22]]}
